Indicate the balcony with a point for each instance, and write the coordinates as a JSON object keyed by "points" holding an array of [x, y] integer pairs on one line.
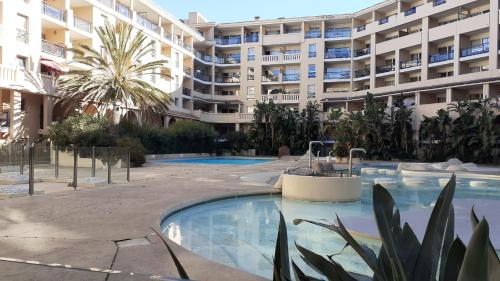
{"points": [[438, 2], [202, 76], [167, 36], [362, 73], [123, 10], [228, 60], [187, 70], [361, 28], [361, 52], [338, 53], [338, 33], [344, 74], [270, 78], [410, 64], [22, 36], [410, 11], [186, 92], [53, 49], [228, 41], [288, 57], [289, 77], [252, 38], [228, 79], [475, 50], [82, 24], [385, 69], [203, 57], [441, 57], [290, 98], [53, 12], [383, 20], [144, 22], [313, 34]]}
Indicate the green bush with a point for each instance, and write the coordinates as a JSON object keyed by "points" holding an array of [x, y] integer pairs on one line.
{"points": [[236, 141], [137, 150], [81, 130]]}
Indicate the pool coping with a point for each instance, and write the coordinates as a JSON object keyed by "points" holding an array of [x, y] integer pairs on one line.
{"points": [[459, 174]]}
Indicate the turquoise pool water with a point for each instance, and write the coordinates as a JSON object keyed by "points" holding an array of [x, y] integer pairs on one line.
{"points": [[218, 161], [241, 232]]}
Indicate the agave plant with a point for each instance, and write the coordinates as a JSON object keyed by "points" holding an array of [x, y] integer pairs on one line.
{"points": [[402, 256]]}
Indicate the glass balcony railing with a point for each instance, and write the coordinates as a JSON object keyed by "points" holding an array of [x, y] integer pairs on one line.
{"points": [[203, 57], [123, 10], [362, 73], [383, 20], [441, 57], [53, 12], [337, 53], [313, 34], [228, 41], [82, 24], [186, 92], [475, 50], [410, 11], [409, 64], [338, 33], [361, 52], [203, 76], [344, 74], [438, 2], [148, 24], [228, 79], [291, 77], [187, 70], [252, 38], [167, 36], [361, 27], [385, 69], [22, 36], [108, 3], [270, 78], [53, 49], [228, 60]]}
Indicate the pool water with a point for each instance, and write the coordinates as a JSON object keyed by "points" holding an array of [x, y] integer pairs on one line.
{"points": [[217, 161], [241, 232]]}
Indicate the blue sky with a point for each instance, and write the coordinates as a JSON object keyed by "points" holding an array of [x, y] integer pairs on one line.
{"points": [[241, 10]]}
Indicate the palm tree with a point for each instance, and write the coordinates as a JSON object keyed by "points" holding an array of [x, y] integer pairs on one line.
{"points": [[113, 76]]}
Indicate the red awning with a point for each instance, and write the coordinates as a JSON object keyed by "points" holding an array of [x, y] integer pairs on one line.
{"points": [[52, 64]]}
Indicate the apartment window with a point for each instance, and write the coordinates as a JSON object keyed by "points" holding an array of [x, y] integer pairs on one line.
{"points": [[250, 109], [153, 48], [250, 92], [311, 91], [250, 73], [23, 104], [177, 60], [416, 57], [21, 62], [153, 76], [22, 29], [415, 79], [177, 82], [251, 54], [176, 101], [104, 19], [312, 50], [311, 70], [445, 74]]}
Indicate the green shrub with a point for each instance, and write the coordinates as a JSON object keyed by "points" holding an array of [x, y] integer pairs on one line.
{"points": [[81, 130], [236, 141], [137, 150]]}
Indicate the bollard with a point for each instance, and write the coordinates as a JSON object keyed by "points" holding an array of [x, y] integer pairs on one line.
{"points": [[75, 167], [31, 163], [56, 163], [93, 161], [109, 165], [21, 164], [128, 164]]}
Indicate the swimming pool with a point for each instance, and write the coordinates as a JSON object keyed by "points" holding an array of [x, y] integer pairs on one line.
{"points": [[241, 232], [217, 161]]}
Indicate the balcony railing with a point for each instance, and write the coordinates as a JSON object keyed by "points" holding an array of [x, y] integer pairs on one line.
{"points": [[203, 57], [82, 24], [148, 24], [252, 38], [270, 78], [108, 3], [53, 49], [53, 12], [228, 60], [438, 2], [362, 73], [475, 50], [187, 70], [228, 41], [409, 64], [167, 36], [410, 11], [291, 57], [383, 20], [22, 36], [187, 47], [338, 33], [361, 52], [338, 53], [361, 27], [186, 92], [284, 57], [290, 97], [227, 80], [122, 9], [441, 57], [338, 75], [313, 34], [291, 77], [385, 69], [203, 76]]}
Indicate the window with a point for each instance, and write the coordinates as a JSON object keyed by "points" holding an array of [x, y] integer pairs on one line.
{"points": [[104, 19], [22, 29], [415, 79], [251, 54], [250, 92], [312, 50], [311, 70], [250, 109], [250, 73], [41, 116], [311, 91], [177, 82], [177, 60], [21, 62], [176, 101], [23, 104], [153, 48], [103, 52]]}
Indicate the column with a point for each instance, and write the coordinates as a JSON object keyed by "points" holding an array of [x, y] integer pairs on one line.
{"points": [[493, 63], [389, 101], [15, 115], [396, 67], [47, 112], [449, 95], [373, 60], [486, 90], [237, 127], [425, 49]]}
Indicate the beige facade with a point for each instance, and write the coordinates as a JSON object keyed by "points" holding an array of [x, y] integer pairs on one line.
{"points": [[429, 53]]}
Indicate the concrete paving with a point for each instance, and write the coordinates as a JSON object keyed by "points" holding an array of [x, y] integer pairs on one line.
{"points": [[80, 229]]}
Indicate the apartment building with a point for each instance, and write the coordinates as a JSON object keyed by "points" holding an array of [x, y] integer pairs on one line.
{"points": [[427, 52]]}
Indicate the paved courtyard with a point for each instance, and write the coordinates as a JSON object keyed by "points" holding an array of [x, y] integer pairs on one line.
{"points": [[82, 235]]}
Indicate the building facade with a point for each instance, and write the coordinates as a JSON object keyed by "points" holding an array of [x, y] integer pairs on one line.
{"points": [[428, 53]]}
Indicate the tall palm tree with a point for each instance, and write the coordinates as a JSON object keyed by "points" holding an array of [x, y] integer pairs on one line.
{"points": [[114, 75]]}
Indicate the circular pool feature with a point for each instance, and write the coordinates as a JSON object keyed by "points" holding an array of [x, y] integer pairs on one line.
{"points": [[369, 171], [217, 161], [241, 232], [478, 184], [414, 182], [391, 172], [388, 183], [321, 189]]}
